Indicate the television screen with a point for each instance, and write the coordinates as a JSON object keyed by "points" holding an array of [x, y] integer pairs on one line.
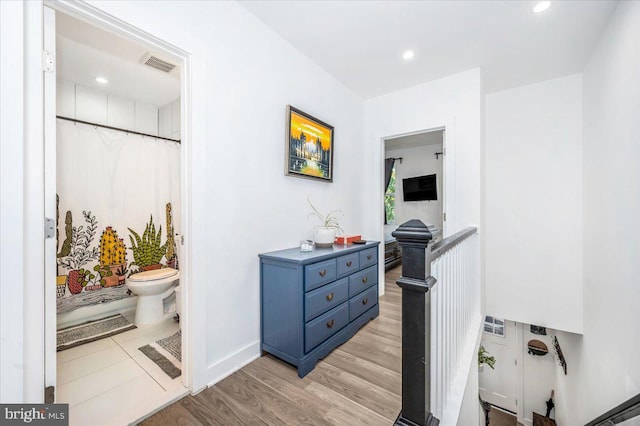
{"points": [[419, 188]]}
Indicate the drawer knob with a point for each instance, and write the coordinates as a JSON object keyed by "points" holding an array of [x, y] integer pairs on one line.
{"points": [[330, 296], [349, 263], [365, 279], [365, 300], [368, 257], [330, 324], [323, 272]]}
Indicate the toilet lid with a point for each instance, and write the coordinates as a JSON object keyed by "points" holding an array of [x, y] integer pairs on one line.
{"points": [[154, 274]]}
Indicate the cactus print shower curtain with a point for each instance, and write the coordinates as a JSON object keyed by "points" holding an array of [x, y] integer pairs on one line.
{"points": [[118, 211]]}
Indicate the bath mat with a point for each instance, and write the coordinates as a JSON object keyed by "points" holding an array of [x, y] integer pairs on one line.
{"points": [[166, 353], [77, 335], [173, 344]]}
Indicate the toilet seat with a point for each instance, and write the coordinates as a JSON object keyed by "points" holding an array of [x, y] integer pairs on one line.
{"points": [[152, 275]]}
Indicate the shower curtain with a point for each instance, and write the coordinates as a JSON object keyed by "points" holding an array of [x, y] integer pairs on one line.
{"points": [[118, 211]]}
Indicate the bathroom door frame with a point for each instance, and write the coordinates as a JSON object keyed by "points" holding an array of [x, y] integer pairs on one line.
{"points": [[193, 134]]}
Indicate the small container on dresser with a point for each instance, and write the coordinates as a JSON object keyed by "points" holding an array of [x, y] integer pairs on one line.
{"points": [[312, 302]]}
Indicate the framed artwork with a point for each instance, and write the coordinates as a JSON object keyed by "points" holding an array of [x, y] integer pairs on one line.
{"points": [[309, 146]]}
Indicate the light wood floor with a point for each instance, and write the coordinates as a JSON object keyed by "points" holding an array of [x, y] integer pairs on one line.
{"points": [[359, 383], [500, 418]]}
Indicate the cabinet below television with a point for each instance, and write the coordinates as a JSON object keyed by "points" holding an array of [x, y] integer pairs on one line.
{"points": [[312, 302]]}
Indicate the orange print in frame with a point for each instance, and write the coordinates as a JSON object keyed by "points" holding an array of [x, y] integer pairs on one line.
{"points": [[309, 146]]}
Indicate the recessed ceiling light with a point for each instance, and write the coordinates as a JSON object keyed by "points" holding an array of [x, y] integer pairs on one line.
{"points": [[102, 80], [408, 55], [542, 6]]}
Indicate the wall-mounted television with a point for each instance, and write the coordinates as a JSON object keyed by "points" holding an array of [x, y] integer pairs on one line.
{"points": [[420, 188]]}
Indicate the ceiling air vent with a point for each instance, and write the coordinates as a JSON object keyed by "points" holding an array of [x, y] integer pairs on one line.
{"points": [[157, 63]]}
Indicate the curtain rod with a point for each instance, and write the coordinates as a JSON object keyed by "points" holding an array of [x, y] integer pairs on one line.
{"points": [[392, 158], [117, 128]]}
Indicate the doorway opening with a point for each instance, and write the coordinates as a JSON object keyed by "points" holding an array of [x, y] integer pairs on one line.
{"points": [[414, 185], [113, 131]]}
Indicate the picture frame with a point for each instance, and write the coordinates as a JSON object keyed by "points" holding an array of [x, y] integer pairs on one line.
{"points": [[309, 146]]}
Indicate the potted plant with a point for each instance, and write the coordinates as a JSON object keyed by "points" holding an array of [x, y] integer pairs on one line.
{"points": [[112, 256], [485, 357], [325, 235], [147, 251], [121, 272], [80, 252], [86, 277]]}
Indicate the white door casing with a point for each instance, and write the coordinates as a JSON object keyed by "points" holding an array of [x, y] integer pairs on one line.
{"points": [[444, 184], [50, 245]]}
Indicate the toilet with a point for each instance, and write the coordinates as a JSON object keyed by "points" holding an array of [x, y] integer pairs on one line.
{"points": [[152, 287]]}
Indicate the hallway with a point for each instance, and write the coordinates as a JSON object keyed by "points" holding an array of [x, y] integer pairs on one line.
{"points": [[359, 383]]}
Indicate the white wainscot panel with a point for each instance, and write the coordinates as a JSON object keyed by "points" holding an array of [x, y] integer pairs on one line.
{"points": [[91, 105], [146, 118], [121, 112]]}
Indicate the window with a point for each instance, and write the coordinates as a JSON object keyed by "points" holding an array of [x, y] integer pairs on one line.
{"points": [[390, 198], [494, 326]]}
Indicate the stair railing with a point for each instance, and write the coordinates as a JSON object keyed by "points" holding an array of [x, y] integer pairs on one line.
{"points": [[434, 318], [623, 412]]}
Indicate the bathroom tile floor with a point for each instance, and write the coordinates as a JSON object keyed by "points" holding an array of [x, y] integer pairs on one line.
{"points": [[110, 382]]}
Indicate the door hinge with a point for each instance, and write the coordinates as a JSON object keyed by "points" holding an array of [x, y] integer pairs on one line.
{"points": [[181, 239], [48, 61], [49, 228], [444, 217], [516, 361]]}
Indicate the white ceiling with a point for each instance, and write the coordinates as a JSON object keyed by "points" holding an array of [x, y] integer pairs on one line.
{"points": [[361, 42], [84, 52], [414, 141]]}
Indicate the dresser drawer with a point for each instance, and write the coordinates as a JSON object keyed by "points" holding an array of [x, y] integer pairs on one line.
{"points": [[362, 280], [368, 257], [319, 274], [324, 298], [348, 264], [325, 326], [362, 302]]}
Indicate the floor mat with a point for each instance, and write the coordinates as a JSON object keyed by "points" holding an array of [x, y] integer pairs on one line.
{"points": [[166, 353], [91, 331], [173, 345]]}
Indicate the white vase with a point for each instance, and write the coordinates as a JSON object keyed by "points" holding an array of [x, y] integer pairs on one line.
{"points": [[324, 237]]}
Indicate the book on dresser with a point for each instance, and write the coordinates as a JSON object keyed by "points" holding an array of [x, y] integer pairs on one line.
{"points": [[312, 302]]}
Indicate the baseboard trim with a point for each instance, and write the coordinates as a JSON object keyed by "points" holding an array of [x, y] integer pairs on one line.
{"points": [[232, 363]]}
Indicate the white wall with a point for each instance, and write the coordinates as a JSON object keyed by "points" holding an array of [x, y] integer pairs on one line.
{"points": [[453, 102], [603, 369], [533, 204], [249, 206], [417, 161], [539, 376]]}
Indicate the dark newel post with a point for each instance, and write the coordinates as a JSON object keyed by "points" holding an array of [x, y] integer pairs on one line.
{"points": [[414, 237]]}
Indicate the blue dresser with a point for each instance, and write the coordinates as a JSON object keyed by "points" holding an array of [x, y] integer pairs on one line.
{"points": [[312, 302]]}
